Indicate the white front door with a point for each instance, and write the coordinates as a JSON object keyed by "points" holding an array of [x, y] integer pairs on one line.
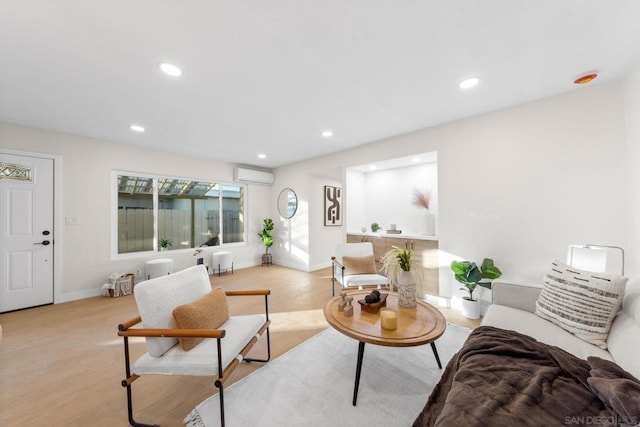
{"points": [[26, 231]]}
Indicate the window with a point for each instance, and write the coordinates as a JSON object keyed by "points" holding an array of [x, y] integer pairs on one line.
{"points": [[160, 213]]}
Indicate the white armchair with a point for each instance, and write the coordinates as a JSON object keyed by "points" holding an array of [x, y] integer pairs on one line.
{"points": [[181, 305], [353, 266]]}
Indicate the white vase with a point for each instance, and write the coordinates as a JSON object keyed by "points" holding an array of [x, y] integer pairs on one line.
{"points": [[470, 309], [406, 290], [429, 224]]}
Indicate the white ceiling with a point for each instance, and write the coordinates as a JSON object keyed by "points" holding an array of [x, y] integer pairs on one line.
{"points": [[397, 162], [268, 76]]}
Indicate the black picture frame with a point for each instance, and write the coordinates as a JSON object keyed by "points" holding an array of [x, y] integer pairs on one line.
{"points": [[332, 206]]}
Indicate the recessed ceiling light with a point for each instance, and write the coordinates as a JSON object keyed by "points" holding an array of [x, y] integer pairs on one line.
{"points": [[137, 128], [416, 160], [469, 83], [170, 69], [327, 134], [262, 156], [373, 167]]}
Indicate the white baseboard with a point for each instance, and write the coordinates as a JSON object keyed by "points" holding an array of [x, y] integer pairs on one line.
{"points": [[293, 265], [438, 301], [320, 266], [72, 296]]}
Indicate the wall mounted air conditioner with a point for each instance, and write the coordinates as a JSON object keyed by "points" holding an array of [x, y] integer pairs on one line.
{"points": [[252, 176]]}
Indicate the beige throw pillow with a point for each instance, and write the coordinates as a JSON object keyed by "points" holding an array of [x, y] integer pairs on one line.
{"points": [[359, 265], [208, 312], [581, 302]]}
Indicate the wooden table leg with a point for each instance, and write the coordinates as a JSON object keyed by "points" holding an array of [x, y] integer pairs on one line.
{"points": [[435, 353], [358, 370]]}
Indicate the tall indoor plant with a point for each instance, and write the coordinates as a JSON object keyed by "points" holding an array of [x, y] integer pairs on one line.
{"points": [[405, 272], [470, 275], [267, 239]]}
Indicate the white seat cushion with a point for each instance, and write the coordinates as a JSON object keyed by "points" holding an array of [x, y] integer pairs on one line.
{"points": [[364, 279], [203, 358], [527, 323], [623, 342]]}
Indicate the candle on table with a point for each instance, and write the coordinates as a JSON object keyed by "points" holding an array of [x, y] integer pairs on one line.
{"points": [[388, 319]]}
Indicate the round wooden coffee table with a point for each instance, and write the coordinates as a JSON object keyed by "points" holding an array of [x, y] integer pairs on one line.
{"points": [[416, 326]]}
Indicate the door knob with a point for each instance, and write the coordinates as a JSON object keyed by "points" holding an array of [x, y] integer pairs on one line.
{"points": [[44, 242]]}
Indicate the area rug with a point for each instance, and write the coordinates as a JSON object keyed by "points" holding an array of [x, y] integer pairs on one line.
{"points": [[312, 385]]}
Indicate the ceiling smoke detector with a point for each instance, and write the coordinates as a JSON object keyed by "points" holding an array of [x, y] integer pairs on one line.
{"points": [[585, 78]]}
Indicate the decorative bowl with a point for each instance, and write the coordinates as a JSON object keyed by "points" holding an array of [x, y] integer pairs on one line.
{"points": [[373, 307]]}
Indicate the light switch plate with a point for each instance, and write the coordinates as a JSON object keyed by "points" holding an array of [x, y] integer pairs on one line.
{"points": [[72, 220]]}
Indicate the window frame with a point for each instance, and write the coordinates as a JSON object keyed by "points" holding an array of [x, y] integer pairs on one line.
{"points": [[115, 255]]}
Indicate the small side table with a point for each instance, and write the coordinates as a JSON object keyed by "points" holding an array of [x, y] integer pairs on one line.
{"points": [[223, 260], [158, 267]]}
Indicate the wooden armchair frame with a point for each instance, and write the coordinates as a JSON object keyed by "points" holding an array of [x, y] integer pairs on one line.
{"points": [[127, 330]]}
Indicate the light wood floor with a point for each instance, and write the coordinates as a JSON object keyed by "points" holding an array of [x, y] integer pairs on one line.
{"points": [[61, 365]]}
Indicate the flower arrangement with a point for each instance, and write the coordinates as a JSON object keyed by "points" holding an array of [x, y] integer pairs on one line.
{"points": [[398, 259], [420, 198]]}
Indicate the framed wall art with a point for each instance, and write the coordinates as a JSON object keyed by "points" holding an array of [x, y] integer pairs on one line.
{"points": [[332, 205]]}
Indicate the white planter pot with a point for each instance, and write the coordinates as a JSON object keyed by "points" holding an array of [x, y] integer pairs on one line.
{"points": [[470, 309], [406, 290]]}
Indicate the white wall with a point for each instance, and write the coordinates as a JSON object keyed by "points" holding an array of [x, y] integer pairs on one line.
{"points": [[291, 236], [292, 242], [317, 229], [355, 201], [385, 197], [517, 185], [632, 108], [83, 254]]}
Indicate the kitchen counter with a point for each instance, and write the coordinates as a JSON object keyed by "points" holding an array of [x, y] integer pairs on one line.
{"points": [[393, 236]]}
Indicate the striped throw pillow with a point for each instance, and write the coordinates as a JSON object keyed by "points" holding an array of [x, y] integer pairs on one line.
{"points": [[581, 302]]}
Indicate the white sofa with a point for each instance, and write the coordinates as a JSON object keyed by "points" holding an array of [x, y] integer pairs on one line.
{"points": [[513, 308]]}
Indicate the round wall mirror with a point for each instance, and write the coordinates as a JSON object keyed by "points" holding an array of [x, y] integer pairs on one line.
{"points": [[287, 203]]}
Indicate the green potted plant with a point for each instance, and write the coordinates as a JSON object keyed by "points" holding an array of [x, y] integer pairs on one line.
{"points": [[164, 244], [470, 275], [267, 240], [405, 273], [375, 227]]}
